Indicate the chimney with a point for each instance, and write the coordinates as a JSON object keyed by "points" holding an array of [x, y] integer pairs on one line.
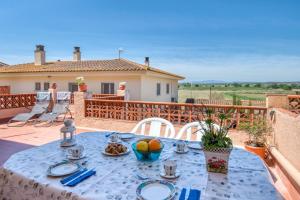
{"points": [[147, 61], [76, 54], [39, 55]]}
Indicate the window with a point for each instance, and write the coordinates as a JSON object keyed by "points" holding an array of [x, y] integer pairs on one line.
{"points": [[73, 87], [107, 88], [158, 89], [46, 86], [37, 86], [168, 88]]}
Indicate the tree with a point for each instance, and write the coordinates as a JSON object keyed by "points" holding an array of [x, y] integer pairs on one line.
{"points": [[257, 85], [236, 85]]}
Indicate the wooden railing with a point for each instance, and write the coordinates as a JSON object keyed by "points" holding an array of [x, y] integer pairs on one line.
{"points": [[230, 102], [8, 101], [109, 97], [101, 96], [4, 90], [294, 103], [174, 112]]}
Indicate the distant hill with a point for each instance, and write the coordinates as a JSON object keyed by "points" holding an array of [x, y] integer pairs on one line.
{"points": [[208, 82]]}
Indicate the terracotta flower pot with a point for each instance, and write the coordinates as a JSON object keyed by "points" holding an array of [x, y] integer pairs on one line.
{"points": [[260, 151], [122, 87], [82, 88]]}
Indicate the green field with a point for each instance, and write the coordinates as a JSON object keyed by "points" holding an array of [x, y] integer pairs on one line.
{"points": [[220, 92]]}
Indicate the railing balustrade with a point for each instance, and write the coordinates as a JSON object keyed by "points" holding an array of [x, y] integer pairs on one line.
{"points": [[230, 102], [294, 103], [177, 113], [101, 96], [8, 101]]}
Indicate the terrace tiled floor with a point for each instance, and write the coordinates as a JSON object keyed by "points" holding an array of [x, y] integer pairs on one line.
{"points": [[15, 139]]}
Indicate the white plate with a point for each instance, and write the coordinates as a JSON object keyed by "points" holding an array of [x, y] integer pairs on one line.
{"points": [[195, 145], [70, 157], [126, 136], [156, 190], [163, 174], [63, 169]]}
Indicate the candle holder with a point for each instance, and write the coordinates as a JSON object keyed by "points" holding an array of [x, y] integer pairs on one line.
{"points": [[67, 133]]}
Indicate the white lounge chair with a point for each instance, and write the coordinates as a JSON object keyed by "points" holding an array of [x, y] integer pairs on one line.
{"points": [[59, 108], [156, 125], [193, 127], [40, 107]]}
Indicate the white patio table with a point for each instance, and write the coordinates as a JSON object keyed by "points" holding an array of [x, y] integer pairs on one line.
{"points": [[23, 176]]}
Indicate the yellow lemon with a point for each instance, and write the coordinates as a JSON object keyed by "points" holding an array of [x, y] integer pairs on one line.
{"points": [[142, 146]]}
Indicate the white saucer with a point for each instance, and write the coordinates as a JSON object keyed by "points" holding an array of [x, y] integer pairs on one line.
{"points": [[182, 152], [70, 157], [163, 174], [195, 145]]}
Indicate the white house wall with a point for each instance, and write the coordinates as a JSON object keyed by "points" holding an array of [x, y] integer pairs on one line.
{"points": [[26, 84], [141, 86], [148, 92]]}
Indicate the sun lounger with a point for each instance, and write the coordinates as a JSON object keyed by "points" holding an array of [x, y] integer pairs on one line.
{"points": [[40, 107], [60, 108]]}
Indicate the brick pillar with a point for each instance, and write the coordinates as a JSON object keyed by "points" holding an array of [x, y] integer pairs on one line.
{"points": [[79, 106], [277, 101]]}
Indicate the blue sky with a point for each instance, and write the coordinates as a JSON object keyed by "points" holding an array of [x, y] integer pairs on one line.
{"points": [[232, 40]]}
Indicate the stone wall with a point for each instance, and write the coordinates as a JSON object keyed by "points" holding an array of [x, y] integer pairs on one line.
{"points": [[286, 135]]}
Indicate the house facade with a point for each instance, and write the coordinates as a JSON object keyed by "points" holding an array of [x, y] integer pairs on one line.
{"points": [[143, 82]]}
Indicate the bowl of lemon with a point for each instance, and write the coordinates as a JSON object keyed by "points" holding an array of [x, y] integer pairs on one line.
{"points": [[147, 149]]}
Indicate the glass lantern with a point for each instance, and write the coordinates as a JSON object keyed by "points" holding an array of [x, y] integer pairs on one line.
{"points": [[67, 134]]}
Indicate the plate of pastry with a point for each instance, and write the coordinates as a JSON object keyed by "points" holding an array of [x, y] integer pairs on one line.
{"points": [[116, 149]]}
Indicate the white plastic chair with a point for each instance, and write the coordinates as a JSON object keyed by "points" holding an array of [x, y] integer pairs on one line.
{"points": [[155, 127], [188, 130]]}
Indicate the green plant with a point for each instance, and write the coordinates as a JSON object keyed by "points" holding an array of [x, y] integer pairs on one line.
{"points": [[80, 80], [215, 137], [257, 132]]}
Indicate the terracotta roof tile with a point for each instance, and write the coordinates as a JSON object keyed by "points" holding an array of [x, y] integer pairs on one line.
{"points": [[83, 66], [3, 64]]}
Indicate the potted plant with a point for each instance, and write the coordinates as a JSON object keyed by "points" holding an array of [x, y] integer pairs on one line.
{"points": [[257, 132], [217, 145], [82, 87]]}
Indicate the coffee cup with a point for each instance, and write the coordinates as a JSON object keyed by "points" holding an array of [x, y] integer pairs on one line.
{"points": [[76, 152], [170, 167], [180, 146], [114, 137]]}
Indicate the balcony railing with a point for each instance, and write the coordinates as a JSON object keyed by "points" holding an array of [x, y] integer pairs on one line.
{"points": [[8, 101], [231, 102], [294, 103], [174, 112], [101, 96]]}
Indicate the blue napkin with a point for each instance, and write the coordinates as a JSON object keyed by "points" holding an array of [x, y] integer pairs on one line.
{"points": [[84, 175], [69, 178], [182, 194], [194, 194]]}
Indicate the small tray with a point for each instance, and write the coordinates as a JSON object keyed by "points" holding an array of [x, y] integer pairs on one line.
{"points": [[63, 169], [195, 145], [126, 136]]}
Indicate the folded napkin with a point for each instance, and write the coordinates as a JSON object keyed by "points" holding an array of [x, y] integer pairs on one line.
{"points": [[193, 194], [71, 177], [74, 180], [182, 194]]}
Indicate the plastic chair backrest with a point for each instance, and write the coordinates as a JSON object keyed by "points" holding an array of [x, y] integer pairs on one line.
{"points": [[155, 127], [188, 128]]}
